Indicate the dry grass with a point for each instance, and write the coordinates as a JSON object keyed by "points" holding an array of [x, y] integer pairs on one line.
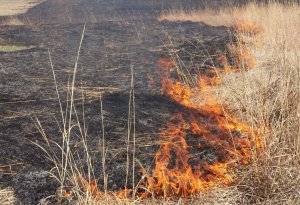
{"points": [[222, 18], [269, 98], [7, 197], [14, 48], [15, 7], [266, 96], [68, 163], [12, 20]]}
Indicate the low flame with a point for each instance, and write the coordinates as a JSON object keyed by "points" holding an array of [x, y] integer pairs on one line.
{"points": [[181, 168], [201, 145], [247, 28], [243, 59], [177, 91]]}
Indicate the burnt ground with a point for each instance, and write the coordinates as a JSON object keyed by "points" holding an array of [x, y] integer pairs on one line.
{"points": [[119, 35]]}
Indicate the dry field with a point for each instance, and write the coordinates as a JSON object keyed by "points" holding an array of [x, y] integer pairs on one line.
{"points": [[246, 105], [266, 95], [260, 85]]}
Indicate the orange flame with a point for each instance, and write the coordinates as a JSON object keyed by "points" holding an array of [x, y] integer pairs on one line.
{"points": [[177, 91], [200, 146], [247, 28], [178, 170], [227, 67], [89, 187], [243, 58], [165, 63]]}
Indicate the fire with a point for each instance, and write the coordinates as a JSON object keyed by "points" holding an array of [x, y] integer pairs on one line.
{"points": [[241, 55], [177, 91], [207, 81], [165, 63], [224, 61], [178, 172], [89, 187], [243, 58], [247, 28], [180, 167], [200, 146]]}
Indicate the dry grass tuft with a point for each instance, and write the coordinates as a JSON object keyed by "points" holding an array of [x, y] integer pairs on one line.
{"points": [[11, 21], [14, 48], [7, 197]]}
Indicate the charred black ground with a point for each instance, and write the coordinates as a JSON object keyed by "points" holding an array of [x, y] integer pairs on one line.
{"points": [[119, 35]]}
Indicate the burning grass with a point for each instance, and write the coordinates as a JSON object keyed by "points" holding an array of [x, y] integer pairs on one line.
{"points": [[231, 141], [266, 94], [252, 120]]}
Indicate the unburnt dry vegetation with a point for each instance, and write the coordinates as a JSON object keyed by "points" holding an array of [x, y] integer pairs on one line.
{"points": [[216, 123], [265, 94], [15, 7]]}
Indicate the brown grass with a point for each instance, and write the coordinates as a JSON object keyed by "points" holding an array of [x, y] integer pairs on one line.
{"points": [[11, 20], [15, 7], [266, 96], [7, 197], [14, 48]]}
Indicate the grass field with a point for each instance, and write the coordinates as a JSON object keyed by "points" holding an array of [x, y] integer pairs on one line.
{"points": [[258, 83]]}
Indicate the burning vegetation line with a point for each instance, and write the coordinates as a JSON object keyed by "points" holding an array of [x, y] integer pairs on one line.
{"points": [[201, 144], [198, 148], [179, 171]]}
